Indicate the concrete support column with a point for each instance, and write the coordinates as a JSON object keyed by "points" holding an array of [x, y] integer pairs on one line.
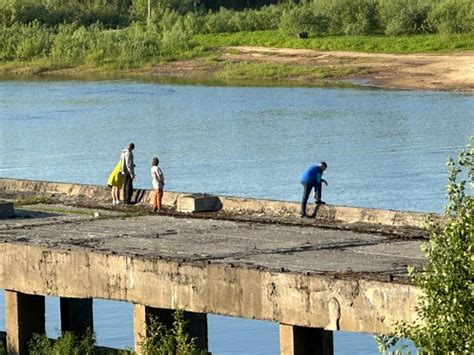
{"points": [[196, 328], [305, 341], [76, 315], [25, 316]]}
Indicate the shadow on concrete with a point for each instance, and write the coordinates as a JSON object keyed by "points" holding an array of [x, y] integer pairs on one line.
{"points": [[138, 195], [27, 214]]}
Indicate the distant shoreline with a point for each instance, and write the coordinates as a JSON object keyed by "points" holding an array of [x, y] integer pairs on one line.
{"points": [[263, 66]]}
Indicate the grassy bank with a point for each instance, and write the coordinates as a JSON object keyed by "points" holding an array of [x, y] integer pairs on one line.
{"points": [[374, 44], [277, 71], [115, 37], [76, 50]]}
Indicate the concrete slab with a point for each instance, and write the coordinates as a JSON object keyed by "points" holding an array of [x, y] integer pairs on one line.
{"points": [[293, 248], [198, 203], [279, 269]]}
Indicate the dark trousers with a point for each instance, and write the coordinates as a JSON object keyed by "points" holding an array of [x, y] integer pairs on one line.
{"points": [[307, 187], [127, 189]]}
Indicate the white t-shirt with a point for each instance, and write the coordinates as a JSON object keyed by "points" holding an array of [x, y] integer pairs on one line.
{"points": [[157, 184]]}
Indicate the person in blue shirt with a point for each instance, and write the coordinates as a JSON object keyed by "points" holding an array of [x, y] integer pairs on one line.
{"points": [[312, 178]]}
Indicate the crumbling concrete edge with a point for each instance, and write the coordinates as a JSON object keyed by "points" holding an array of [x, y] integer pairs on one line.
{"points": [[232, 205], [315, 301]]}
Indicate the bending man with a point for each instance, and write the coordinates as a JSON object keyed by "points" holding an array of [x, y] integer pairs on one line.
{"points": [[312, 178]]}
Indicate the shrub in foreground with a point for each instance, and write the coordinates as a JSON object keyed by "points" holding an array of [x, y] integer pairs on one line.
{"points": [[445, 312], [67, 344], [163, 341]]}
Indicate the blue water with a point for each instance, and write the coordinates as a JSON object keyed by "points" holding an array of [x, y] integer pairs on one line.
{"points": [[384, 149]]}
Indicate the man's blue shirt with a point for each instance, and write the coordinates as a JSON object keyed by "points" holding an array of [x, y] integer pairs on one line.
{"points": [[312, 175]]}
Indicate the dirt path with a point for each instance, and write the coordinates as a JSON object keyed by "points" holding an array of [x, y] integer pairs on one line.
{"points": [[410, 71], [451, 72]]}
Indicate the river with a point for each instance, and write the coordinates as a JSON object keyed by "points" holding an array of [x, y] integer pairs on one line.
{"points": [[384, 149]]}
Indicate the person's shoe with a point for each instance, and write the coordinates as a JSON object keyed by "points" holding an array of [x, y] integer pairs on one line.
{"points": [[303, 215], [320, 202]]}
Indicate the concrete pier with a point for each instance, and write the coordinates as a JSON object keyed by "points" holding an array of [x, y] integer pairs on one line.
{"points": [[76, 315], [196, 324], [25, 316], [311, 277], [296, 340]]}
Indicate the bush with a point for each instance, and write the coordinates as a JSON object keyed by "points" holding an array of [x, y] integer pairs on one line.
{"points": [[268, 17], [298, 19], [220, 22], [162, 341], [398, 17], [35, 42], [453, 16], [22, 12], [164, 18], [176, 38], [67, 344], [72, 43], [352, 17], [446, 306], [25, 42], [54, 13], [139, 8], [133, 46], [194, 23]]}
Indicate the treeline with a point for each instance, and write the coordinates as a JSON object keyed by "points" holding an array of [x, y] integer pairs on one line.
{"points": [[114, 34], [317, 17], [111, 13]]}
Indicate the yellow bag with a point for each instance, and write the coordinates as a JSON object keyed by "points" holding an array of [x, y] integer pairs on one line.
{"points": [[115, 178]]}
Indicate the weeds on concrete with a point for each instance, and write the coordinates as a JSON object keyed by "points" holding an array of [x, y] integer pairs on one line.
{"points": [[33, 200], [68, 344]]}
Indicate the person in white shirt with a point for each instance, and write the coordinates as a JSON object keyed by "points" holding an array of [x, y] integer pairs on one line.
{"points": [[127, 169], [158, 182]]}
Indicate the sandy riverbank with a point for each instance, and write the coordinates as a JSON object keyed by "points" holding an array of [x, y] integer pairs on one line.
{"points": [[444, 72], [447, 72]]}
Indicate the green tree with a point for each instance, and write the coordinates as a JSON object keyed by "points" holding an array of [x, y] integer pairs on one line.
{"points": [[446, 307]]}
